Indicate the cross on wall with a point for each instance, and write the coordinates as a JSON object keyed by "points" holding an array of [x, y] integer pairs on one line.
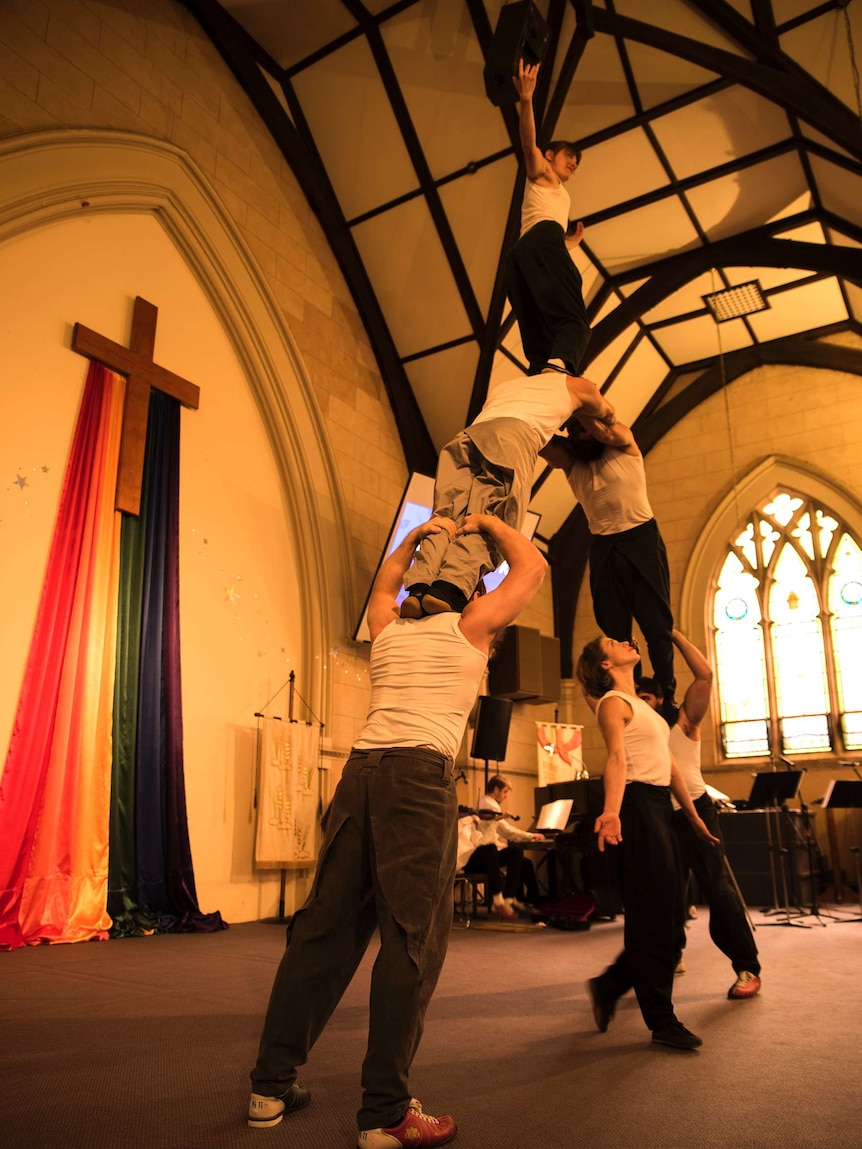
{"points": [[141, 372]]}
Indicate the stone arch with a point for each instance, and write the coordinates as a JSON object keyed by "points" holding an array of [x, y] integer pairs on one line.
{"points": [[46, 176]]}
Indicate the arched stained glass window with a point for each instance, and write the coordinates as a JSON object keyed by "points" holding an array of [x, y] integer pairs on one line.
{"points": [[787, 618]]}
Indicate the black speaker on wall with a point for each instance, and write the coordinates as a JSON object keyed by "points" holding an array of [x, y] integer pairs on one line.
{"points": [[521, 33], [491, 735]]}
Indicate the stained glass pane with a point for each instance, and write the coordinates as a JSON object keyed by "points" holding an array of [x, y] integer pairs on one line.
{"points": [[783, 507], [851, 725], [769, 536], [845, 605], [770, 579], [826, 527], [792, 597], [806, 734], [745, 739], [736, 603], [802, 532], [745, 542]]}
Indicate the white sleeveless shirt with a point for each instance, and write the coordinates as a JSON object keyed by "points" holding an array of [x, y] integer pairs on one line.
{"points": [[686, 754], [425, 676], [645, 740], [542, 402], [541, 203], [612, 491]]}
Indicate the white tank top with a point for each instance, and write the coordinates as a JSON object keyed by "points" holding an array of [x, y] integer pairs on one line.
{"points": [[612, 491], [686, 754], [425, 676], [645, 741], [541, 203], [541, 401]]}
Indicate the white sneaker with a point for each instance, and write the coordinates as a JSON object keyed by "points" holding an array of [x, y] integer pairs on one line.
{"points": [[264, 1112]]}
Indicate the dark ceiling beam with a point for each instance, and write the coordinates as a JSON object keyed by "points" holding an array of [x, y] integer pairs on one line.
{"points": [[568, 549], [774, 75], [238, 50], [749, 249]]}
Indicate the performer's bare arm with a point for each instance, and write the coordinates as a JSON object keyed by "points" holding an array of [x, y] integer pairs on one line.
{"points": [[484, 617], [696, 701], [680, 791], [538, 168], [383, 604], [618, 435], [588, 401], [614, 715]]}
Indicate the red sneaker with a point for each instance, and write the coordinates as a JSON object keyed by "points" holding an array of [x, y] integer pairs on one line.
{"points": [[415, 1128], [746, 985], [506, 913]]}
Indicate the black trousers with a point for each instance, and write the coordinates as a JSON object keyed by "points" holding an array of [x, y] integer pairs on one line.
{"points": [[388, 862], [520, 875], [629, 578], [546, 293], [649, 882], [728, 925]]}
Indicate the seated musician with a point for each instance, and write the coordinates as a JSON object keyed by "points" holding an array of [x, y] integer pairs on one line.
{"points": [[520, 890]]}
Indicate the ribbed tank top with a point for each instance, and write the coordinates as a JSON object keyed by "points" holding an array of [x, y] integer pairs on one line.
{"points": [[425, 676], [686, 754], [612, 491], [645, 740], [541, 203]]}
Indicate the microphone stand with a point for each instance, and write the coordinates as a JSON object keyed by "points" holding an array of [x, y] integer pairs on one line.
{"points": [[779, 850]]}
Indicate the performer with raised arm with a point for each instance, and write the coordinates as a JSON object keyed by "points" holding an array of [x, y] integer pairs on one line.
{"points": [[629, 575], [388, 856], [728, 924], [637, 817], [543, 284]]}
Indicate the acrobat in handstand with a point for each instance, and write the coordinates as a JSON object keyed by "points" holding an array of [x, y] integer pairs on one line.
{"points": [[543, 284]]}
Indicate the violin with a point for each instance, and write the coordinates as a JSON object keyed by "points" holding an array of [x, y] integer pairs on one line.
{"points": [[485, 815]]}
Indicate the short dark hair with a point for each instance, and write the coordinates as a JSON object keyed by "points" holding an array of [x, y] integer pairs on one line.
{"points": [[647, 685], [494, 781], [595, 680], [564, 145]]}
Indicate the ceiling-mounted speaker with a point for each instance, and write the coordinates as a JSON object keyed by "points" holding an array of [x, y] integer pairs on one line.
{"points": [[521, 33]]}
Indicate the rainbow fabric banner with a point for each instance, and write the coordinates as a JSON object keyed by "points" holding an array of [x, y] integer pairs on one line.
{"points": [[62, 812]]}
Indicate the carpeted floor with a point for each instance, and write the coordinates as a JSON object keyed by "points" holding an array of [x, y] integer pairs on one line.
{"points": [[147, 1042]]}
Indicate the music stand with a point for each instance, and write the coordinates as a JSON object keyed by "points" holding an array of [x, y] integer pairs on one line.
{"points": [[769, 792], [846, 794]]}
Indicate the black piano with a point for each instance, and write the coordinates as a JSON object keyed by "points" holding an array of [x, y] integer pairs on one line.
{"points": [[571, 862]]}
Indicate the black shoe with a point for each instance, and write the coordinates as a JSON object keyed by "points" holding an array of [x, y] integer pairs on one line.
{"points": [[676, 1036], [444, 596], [412, 606], [604, 1007], [264, 1112]]}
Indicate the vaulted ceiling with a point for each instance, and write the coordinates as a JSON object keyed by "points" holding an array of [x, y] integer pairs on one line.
{"points": [[722, 144]]}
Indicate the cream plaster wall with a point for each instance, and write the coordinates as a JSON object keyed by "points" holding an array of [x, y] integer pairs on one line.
{"points": [[240, 633], [147, 68]]}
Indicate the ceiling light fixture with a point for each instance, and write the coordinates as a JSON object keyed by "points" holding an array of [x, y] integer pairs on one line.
{"points": [[734, 302]]}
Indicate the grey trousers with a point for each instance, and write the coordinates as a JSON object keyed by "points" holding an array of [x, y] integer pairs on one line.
{"points": [[388, 862], [467, 483]]}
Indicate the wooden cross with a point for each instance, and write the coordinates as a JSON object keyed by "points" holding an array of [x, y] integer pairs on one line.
{"points": [[136, 363]]}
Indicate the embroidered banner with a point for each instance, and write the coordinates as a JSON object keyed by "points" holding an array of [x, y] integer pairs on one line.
{"points": [[287, 795], [559, 753]]}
